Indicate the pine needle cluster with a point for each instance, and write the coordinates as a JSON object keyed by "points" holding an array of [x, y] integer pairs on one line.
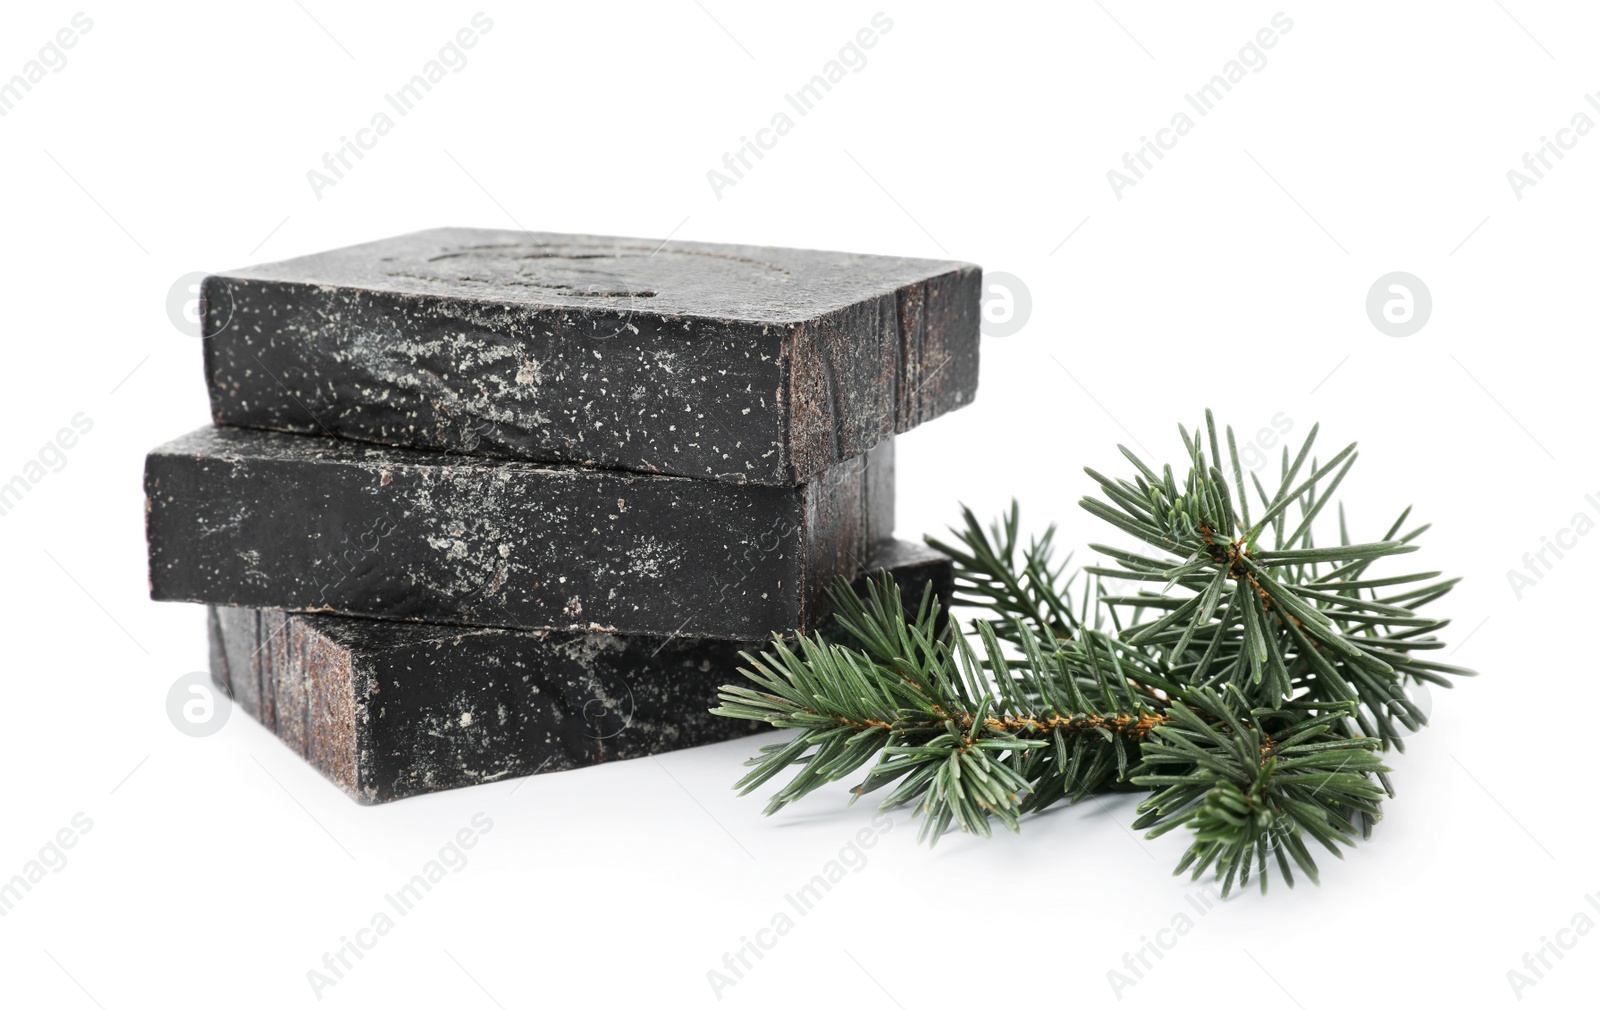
{"points": [[1249, 680]]}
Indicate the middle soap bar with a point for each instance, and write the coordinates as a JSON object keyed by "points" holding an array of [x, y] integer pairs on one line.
{"points": [[260, 519]]}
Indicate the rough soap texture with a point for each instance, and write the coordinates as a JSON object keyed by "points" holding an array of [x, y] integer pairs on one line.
{"points": [[735, 363], [387, 710], [237, 517]]}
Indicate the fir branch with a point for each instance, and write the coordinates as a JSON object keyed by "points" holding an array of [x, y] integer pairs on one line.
{"points": [[920, 700], [1250, 686]]}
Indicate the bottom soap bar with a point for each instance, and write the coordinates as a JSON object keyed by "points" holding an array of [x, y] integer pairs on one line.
{"points": [[388, 709]]}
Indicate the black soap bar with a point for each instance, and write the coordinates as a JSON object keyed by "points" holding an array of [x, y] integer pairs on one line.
{"points": [[734, 363], [238, 517], [387, 710]]}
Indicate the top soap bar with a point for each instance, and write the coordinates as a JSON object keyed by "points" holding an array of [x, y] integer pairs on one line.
{"points": [[733, 363]]}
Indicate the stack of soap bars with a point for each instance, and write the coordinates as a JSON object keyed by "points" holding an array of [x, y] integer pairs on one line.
{"points": [[480, 504]]}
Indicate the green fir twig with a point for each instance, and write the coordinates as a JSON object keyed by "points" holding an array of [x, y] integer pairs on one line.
{"points": [[1249, 684]]}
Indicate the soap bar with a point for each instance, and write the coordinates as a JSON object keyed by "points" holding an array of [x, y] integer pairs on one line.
{"points": [[725, 362], [387, 709], [238, 517]]}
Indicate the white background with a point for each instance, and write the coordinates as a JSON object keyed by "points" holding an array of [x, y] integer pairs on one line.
{"points": [[218, 871]]}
